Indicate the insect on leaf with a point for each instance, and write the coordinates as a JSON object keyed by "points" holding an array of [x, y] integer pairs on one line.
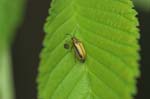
{"points": [[108, 31]]}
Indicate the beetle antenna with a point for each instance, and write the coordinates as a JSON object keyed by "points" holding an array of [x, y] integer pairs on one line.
{"points": [[74, 31]]}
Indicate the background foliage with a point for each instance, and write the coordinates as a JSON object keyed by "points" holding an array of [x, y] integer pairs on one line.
{"points": [[143, 4], [10, 17]]}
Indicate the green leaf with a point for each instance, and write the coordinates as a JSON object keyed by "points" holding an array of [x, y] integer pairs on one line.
{"points": [[10, 18], [107, 28]]}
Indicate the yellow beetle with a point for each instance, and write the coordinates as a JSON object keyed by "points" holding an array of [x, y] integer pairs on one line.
{"points": [[79, 49]]}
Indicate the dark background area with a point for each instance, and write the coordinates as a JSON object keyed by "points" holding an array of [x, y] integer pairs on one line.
{"points": [[28, 44]]}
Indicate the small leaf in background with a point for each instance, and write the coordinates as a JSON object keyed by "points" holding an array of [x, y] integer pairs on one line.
{"points": [[10, 17], [143, 4], [107, 28]]}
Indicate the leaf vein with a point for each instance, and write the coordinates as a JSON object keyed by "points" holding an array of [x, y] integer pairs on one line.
{"points": [[115, 56], [105, 83], [51, 70], [109, 12], [107, 25], [110, 70], [106, 38], [62, 80]]}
